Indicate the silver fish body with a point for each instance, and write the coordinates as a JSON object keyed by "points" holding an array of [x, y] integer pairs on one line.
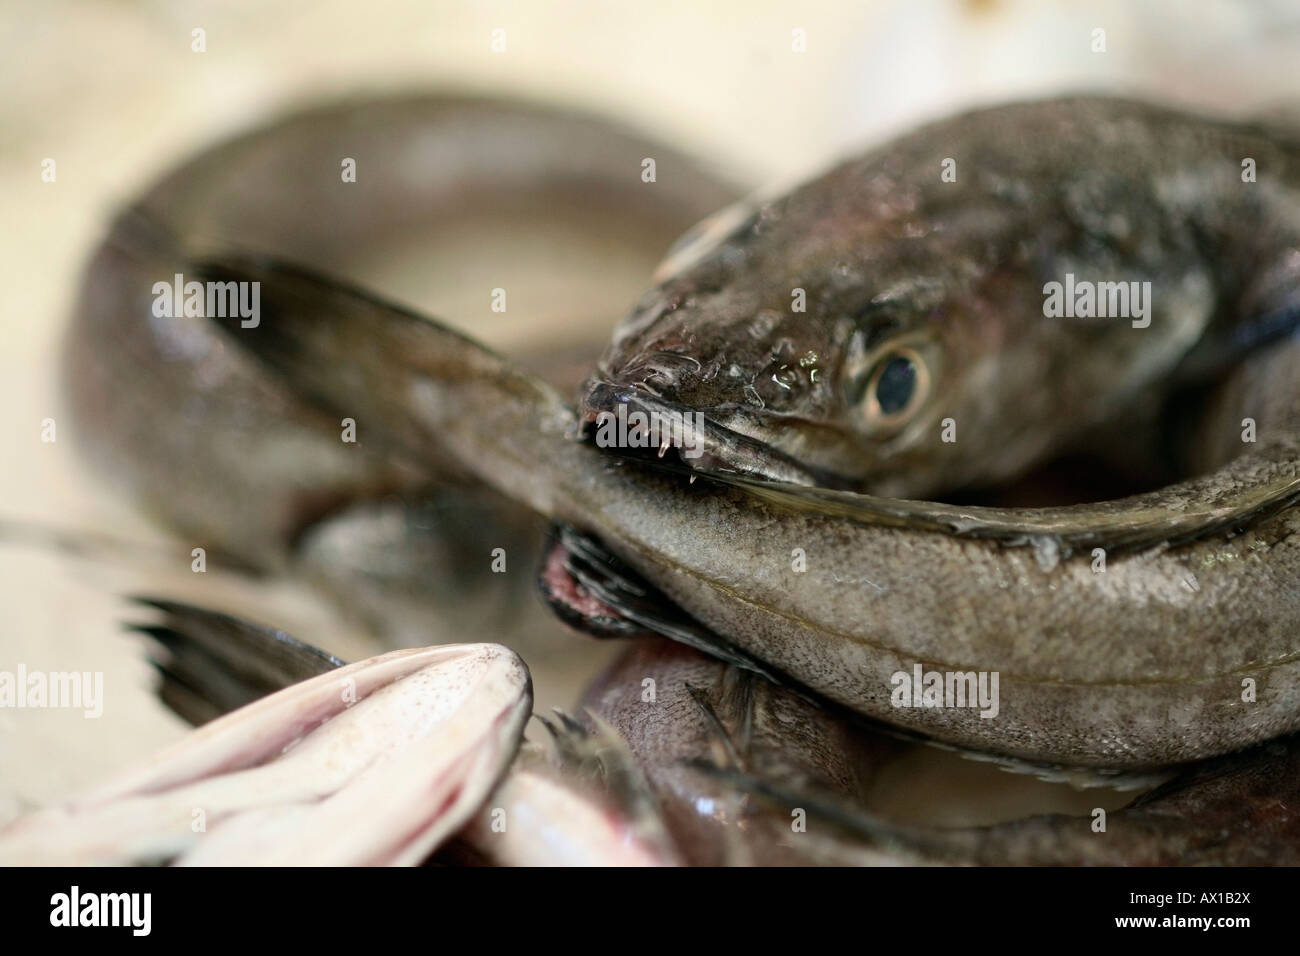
{"points": [[1142, 664], [1181, 644]]}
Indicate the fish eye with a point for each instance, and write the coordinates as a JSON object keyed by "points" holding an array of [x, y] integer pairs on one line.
{"points": [[896, 386]]}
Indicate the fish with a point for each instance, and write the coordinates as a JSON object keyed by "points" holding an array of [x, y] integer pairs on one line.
{"points": [[230, 458], [1150, 630], [676, 707], [751, 773], [1235, 810], [825, 335], [676, 757], [290, 778]]}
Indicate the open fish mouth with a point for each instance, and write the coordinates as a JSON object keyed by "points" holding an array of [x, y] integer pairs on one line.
{"points": [[629, 420]]}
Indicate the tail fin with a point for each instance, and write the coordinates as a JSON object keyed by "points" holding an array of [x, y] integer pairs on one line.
{"points": [[412, 385], [213, 663]]}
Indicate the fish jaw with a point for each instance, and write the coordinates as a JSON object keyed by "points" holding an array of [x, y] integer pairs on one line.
{"points": [[297, 778], [700, 441]]}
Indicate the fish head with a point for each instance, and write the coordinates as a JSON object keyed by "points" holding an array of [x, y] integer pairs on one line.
{"points": [[862, 333]]}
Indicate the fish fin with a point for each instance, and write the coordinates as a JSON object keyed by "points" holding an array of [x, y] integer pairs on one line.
{"points": [[852, 825], [700, 697], [213, 663], [594, 750], [1223, 349], [1143, 522], [612, 582], [352, 353]]}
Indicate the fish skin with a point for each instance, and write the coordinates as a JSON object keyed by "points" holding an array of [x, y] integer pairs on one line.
{"points": [[292, 778]]}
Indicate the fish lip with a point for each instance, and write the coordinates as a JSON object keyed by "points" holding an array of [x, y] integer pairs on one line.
{"points": [[705, 446]]}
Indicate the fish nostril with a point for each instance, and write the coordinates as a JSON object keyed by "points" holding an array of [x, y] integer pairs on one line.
{"points": [[784, 382]]}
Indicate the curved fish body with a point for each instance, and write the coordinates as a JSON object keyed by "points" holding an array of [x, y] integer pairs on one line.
{"points": [[230, 457], [1179, 643]]}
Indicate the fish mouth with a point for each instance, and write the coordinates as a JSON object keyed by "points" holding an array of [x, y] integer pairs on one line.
{"points": [[627, 420]]}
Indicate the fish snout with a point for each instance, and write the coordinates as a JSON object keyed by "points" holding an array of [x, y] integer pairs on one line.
{"points": [[663, 372], [628, 420]]}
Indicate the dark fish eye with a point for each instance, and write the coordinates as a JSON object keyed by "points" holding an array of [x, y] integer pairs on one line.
{"points": [[896, 384], [895, 387]]}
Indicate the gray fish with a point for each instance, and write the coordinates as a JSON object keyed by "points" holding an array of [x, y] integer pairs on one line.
{"points": [[835, 328], [1150, 630], [229, 456], [1237, 810], [675, 707]]}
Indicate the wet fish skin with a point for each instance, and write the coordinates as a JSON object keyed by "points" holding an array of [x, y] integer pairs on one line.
{"points": [[890, 256]]}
